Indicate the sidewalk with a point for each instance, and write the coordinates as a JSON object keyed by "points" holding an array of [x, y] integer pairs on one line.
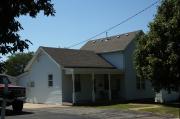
{"points": [[38, 106]]}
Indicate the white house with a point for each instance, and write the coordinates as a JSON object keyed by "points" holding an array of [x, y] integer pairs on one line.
{"points": [[102, 70]]}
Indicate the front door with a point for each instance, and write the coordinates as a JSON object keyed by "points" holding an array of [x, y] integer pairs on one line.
{"points": [[115, 86], [101, 87]]}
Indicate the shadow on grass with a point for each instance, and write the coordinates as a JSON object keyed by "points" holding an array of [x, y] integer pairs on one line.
{"points": [[175, 104], [172, 104], [11, 113], [98, 104]]}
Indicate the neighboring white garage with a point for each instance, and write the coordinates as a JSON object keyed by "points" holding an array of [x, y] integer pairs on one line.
{"points": [[165, 96], [36, 80]]}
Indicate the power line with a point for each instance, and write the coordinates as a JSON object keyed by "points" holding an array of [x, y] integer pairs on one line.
{"points": [[127, 19]]}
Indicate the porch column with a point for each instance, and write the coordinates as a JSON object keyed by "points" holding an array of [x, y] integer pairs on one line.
{"points": [[93, 91], [73, 93], [109, 79]]}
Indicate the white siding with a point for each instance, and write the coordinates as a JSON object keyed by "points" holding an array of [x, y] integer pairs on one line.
{"points": [[159, 97], [124, 61], [41, 93], [23, 80], [131, 91], [115, 58], [67, 88], [164, 96]]}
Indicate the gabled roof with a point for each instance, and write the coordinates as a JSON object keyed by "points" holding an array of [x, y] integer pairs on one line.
{"points": [[111, 44], [70, 58]]}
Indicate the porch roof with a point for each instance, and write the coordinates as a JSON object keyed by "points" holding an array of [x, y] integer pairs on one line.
{"points": [[71, 58], [93, 70]]}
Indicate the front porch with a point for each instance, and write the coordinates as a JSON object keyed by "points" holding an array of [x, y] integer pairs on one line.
{"points": [[82, 85]]}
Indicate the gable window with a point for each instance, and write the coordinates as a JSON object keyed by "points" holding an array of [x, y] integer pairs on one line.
{"points": [[77, 83], [50, 80], [140, 83]]}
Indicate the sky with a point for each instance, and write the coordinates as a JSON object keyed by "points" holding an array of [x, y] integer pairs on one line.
{"points": [[78, 20]]}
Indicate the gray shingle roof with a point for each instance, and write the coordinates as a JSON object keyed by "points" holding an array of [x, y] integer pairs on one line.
{"points": [[70, 58], [110, 44]]}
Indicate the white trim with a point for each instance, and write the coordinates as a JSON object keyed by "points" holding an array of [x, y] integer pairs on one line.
{"points": [[109, 79], [73, 93], [93, 91], [32, 60], [68, 70], [23, 74], [97, 70], [35, 56]]}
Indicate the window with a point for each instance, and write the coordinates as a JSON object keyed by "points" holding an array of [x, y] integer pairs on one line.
{"points": [[77, 83], [140, 83], [32, 84], [106, 82], [50, 80]]}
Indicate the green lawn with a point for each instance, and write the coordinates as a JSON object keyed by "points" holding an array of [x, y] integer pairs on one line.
{"points": [[154, 108], [163, 110], [124, 106]]}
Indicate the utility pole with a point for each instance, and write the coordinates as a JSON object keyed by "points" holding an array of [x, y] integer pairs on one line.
{"points": [[5, 91]]}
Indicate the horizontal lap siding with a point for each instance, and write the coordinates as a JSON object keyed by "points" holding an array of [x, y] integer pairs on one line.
{"points": [[131, 91], [115, 58], [67, 88], [41, 93], [169, 96]]}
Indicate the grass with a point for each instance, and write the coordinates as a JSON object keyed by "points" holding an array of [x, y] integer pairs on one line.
{"points": [[124, 106], [163, 110], [144, 107]]}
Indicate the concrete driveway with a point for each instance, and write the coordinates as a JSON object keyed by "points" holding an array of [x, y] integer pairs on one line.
{"points": [[42, 111]]}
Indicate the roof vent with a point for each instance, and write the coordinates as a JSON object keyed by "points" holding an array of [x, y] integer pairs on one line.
{"points": [[102, 40], [127, 34], [94, 41], [107, 39]]}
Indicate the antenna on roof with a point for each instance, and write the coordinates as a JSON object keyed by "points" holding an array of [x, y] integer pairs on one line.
{"points": [[94, 41], [106, 37], [106, 34]]}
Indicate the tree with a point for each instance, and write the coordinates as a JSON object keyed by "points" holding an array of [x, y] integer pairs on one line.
{"points": [[10, 11], [157, 57], [16, 63]]}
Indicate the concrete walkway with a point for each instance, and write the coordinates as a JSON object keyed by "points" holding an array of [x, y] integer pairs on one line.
{"points": [[38, 106]]}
